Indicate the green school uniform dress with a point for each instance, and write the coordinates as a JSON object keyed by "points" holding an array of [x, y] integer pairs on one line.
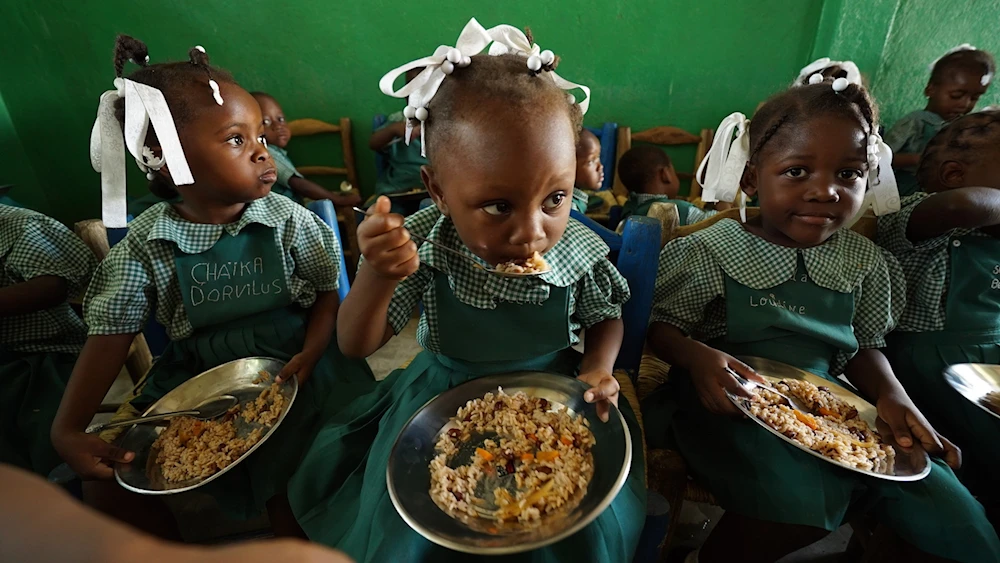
{"points": [[580, 200], [911, 135], [473, 324], [688, 213], [225, 292], [37, 350], [402, 164], [952, 317], [286, 171], [812, 308]]}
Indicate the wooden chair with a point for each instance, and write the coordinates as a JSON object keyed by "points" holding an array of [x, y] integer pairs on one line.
{"points": [[345, 215], [667, 470], [666, 136], [139, 358]]}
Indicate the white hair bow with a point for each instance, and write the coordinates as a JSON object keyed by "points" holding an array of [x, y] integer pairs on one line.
{"points": [[881, 179], [473, 39], [819, 65], [143, 105], [722, 168]]}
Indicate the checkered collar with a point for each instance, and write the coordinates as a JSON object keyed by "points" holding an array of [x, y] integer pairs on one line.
{"points": [[195, 238]]}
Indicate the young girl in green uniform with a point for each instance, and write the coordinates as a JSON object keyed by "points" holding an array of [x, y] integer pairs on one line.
{"points": [[649, 176], [42, 264], [945, 240], [501, 136], [957, 80], [720, 293], [231, 272]]}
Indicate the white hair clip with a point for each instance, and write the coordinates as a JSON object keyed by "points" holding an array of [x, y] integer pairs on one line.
{"points": [[473, 39], [809, 72], [722, 168], [955, 49], [150, 163], [840, 84], [144, 106], [215, 90], [881, 179]]}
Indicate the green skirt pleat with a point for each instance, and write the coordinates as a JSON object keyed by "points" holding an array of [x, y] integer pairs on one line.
{"points": [[340, 498], [754, 473], [920, 368], [32, 386], [335, 382]]}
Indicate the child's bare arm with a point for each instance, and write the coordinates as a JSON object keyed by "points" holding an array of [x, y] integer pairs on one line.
{"points": [[381, 138], [602, 341], [36, 294], [962, 208], [322, 321], [871, 373], [390, 256], [906, 160], [97, 367]]}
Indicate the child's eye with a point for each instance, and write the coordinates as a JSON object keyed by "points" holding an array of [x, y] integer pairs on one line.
{"points": [[554, 201], [267, 122], [497, 208], [957, 95], [795, 172], [850, 175], [281, 119], [235, 140]]}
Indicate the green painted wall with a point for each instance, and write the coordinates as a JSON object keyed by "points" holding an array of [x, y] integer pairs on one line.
{"points": [[17, 168], [855, 30], [650, 62], [921, 32]]}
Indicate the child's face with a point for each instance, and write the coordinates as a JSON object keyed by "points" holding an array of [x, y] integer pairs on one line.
{"points": [[225, 150], [956, 95], [505, 181], [275, 129], [589, 170], [810, 181]]}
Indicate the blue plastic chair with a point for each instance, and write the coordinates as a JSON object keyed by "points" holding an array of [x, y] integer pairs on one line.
{"points": [[636, 254]]}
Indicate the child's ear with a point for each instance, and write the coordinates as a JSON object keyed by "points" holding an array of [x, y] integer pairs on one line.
{"points": [[928, 90], [748, 182], [433, 188], [665, 175], [952, 174]]}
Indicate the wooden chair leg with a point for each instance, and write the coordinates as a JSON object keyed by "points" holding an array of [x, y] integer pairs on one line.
{"points": [[351, 240]]}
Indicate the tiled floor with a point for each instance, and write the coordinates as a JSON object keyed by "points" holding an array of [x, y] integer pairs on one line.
{"points": [[201, 521]]}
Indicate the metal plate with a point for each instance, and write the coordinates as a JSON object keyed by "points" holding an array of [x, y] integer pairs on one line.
{"points": [[974, 381], [909, 466], [408, 475], [234, 378]]}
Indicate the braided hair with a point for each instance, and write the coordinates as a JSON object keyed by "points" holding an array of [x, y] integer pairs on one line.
{"points": [[796, 105], [185, 87], [973, 61], [504, 78], [964, 140]]}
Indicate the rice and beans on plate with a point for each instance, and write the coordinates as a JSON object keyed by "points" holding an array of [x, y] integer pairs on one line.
{"points": [[536, 459]]}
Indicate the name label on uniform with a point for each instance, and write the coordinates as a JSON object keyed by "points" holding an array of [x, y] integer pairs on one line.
{"points": [[772, 301], [215, 282], [995, 284]]}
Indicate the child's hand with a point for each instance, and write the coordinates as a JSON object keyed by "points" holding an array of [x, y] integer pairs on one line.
{"points": [[711, 380], [88, 455], [301, 365], [386, 244], [603, 390], [902, 419]]}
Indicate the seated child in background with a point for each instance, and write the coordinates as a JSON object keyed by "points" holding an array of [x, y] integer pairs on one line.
{"points": [[290, 183], [957, 81], [649, 176], [502, 149], [946, 242], [401, 173], [808, 162], [42, 264], [589, 169]]}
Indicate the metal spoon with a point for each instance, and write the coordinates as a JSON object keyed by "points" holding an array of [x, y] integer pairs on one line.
{"points": [[493, 271], [205, 410], [751, 385]]}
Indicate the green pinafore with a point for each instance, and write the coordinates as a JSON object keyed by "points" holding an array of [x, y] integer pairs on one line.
{"points": [[339, 494], [633, 207], [237, 299], [971, 335], [753, 473]]}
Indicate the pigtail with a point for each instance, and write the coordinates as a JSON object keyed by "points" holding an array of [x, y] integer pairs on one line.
{"points": [[199, 58], [129, 49]]}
